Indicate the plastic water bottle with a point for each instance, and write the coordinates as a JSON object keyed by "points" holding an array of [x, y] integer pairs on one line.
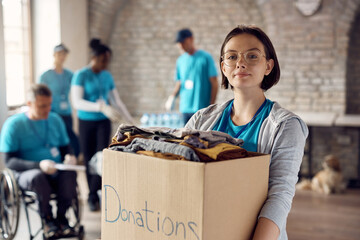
{"points": [[152, 120], [180, 120], [176, 121], [166, 120], [144, 120], [160, 121]]}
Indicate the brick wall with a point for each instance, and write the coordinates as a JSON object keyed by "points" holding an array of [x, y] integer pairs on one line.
{"points": [[144, 49], [313, 51], [312, 54]]}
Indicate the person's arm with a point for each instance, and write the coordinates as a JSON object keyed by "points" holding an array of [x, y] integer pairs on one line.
{"points": [[170, 100], [214, 89], [13, 162], [79, 103], [286, 155], [266, 230], [116, 101], [176, 90]]}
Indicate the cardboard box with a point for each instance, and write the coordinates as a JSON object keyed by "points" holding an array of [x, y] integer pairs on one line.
{"points": [[146, 198]]}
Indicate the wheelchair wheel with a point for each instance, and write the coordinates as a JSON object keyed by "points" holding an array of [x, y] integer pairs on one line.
{"points": [[10, 205]]}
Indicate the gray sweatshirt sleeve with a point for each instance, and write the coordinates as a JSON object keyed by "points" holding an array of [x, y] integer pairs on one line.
{"points": [[286, 156]]}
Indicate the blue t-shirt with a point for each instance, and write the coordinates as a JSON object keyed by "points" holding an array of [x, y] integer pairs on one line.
{"points": [[59, 85], [251, 133], [194, 72], [96, 86], [34, 140]]}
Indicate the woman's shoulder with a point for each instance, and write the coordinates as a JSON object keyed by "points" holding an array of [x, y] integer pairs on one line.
{"points": [[279, 114]]}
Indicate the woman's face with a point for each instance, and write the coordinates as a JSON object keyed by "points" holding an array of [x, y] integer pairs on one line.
{"points": [[101, 62], [244, 75]]}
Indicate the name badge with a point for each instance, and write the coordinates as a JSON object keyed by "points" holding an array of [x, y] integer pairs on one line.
{"points": [[54, 152], [189, 84], [64, 105]]}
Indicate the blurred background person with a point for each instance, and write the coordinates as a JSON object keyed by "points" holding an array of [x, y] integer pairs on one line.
{"points": [[33, 142], [92, 92], [195, 77], [58, 79]]}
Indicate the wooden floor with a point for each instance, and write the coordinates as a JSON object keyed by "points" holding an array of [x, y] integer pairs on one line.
{"points": [[319, 217]]}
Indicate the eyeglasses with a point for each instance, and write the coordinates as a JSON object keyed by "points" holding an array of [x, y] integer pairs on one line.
{"points": [[251, 57]]}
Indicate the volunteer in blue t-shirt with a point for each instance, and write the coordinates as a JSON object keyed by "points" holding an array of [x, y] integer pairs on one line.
{"points": [[58, 79], [33, 142], [195, 77], [97, 101]]}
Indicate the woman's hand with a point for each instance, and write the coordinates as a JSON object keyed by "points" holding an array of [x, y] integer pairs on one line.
{"points": [[266, 230]]}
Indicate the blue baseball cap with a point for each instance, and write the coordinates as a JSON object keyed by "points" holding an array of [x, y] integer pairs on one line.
{"points": [[60, 47], [183, 34]]}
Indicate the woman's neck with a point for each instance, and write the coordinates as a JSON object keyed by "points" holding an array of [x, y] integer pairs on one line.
{"points": [[246, 105], [93, 67]]}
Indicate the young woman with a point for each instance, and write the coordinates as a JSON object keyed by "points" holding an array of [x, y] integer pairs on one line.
{"points": [[250, 66], [92, 91]]}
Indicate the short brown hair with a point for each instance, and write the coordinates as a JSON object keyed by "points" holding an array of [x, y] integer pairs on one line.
{"points": [[274, 76], [38, 90]]}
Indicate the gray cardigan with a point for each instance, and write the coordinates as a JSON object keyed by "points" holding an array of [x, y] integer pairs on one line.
{"points": [[283, 135]]}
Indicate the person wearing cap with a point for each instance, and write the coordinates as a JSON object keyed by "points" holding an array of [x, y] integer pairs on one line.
{"points": [[58, 79], [195, 76]]}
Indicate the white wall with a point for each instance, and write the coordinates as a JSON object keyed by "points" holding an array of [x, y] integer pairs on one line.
{"points": [[55, 22], [45, 34], [3, 106], [74, 32]]}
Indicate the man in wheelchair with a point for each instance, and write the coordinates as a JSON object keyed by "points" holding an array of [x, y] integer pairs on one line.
{"points": [[33, 142]]}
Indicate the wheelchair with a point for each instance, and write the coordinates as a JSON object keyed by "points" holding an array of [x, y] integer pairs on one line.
{"points": [[12, 197]]}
